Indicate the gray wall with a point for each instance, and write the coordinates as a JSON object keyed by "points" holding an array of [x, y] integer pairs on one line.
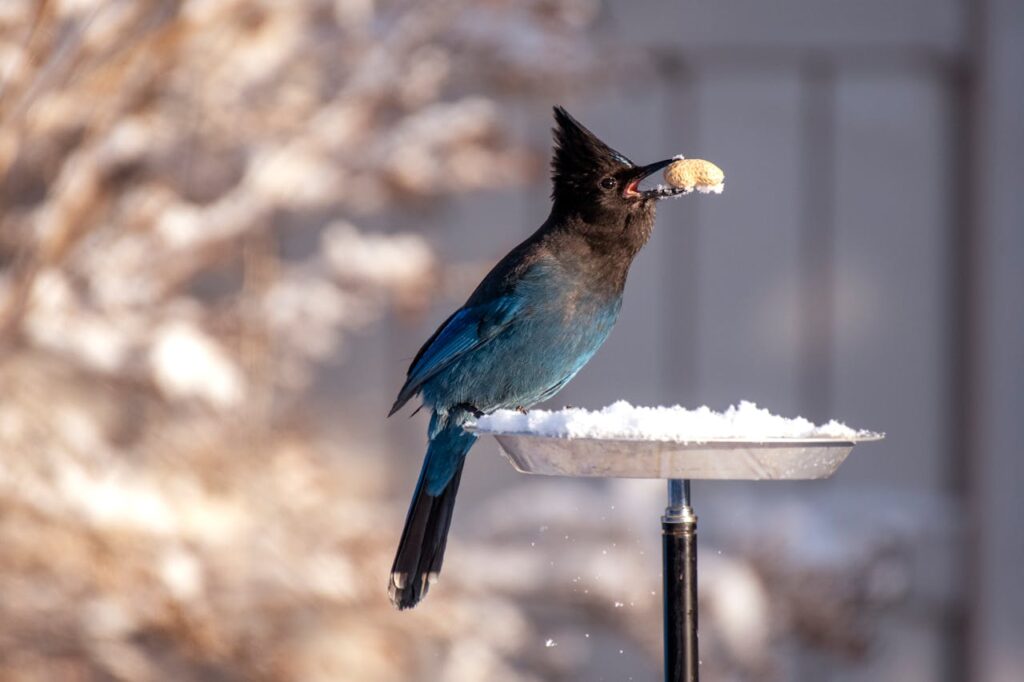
{"points": [[863, 263]]}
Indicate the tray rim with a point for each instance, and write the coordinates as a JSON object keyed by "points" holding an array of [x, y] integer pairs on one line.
{"points": [[819, 441]]}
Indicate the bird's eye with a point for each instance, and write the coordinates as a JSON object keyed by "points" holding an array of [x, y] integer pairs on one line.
{"points": [[608, 183]]}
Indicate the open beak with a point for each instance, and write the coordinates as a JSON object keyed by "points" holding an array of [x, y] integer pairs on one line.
{"points": [[660, 192]]}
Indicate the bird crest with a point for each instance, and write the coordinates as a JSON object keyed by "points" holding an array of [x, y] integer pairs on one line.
{"points": [[580, 155]]}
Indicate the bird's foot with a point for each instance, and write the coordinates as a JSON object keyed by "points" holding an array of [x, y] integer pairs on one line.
{"points": [[471, 408]]}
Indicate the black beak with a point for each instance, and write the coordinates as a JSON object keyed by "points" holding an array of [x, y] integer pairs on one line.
{"points": [[659, 192]]}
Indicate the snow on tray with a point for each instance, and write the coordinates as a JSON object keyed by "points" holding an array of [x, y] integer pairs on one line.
{"points": [[624, 421]]}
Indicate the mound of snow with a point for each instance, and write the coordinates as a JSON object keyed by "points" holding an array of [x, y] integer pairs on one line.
{"points": [[624, 421]]}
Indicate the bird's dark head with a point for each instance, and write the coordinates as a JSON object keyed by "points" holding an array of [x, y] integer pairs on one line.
{"points": [[597, 183]]}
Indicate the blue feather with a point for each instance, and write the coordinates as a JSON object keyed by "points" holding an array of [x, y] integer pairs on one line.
{"points": [[464, 331]]}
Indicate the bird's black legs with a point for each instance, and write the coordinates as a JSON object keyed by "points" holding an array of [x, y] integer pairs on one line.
{"points": [[679, 556]]}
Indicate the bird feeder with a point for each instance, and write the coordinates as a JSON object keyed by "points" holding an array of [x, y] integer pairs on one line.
{"points": [[769, 459]]}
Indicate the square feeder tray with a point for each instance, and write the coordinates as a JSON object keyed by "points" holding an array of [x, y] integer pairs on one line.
{"points": [[760, 459]]}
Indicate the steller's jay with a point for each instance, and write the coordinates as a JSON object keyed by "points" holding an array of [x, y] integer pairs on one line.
{"points": [[526, 330]]}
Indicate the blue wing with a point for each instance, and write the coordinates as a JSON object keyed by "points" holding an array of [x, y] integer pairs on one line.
{"points": [[468, 329]]}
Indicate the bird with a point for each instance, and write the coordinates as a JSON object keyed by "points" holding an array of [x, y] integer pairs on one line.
{"points": [[530, 325]]}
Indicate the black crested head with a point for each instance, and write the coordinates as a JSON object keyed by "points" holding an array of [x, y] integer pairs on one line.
{"points": [[598, 186], [582, 161]]}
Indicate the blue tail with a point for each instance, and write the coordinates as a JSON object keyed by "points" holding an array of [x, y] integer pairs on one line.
{"points": [[421, 549]]}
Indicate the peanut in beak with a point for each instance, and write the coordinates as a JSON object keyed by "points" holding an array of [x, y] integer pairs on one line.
{"points": [[690, 174]]}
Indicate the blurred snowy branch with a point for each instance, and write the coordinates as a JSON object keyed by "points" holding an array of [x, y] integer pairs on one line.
{"points": [[167, 513], [146, 146]]}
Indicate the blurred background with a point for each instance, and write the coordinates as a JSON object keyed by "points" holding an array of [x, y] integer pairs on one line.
{"points": [[226, 226]]}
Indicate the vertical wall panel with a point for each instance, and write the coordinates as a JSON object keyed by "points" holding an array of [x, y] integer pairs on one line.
{"points": [[892, 228], [677, 245], [747, 241], [998, 471]]}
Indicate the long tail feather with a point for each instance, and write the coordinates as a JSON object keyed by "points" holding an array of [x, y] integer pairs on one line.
{"points": [[421, 549]]}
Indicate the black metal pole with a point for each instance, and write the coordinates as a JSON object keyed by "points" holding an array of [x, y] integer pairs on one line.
{"points": [[679, 589]]}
